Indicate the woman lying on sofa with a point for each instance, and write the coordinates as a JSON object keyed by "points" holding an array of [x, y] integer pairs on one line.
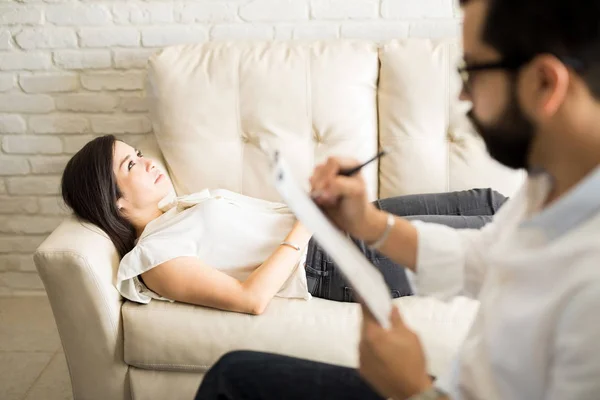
{"points": [[220, 249]]}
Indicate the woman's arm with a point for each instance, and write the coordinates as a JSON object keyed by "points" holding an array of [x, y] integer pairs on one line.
{"points": [[189, 280]]}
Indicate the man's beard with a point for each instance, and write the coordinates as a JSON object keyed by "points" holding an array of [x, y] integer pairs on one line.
{"points": [[509, 140]]}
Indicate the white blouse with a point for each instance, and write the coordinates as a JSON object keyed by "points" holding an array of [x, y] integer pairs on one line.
{"points": [[228, 231]]}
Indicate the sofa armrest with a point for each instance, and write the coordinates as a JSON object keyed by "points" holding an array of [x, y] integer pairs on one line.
{"points": [[77, 264], [181, 337]]}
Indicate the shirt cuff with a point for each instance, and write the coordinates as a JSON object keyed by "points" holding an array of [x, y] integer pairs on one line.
{"points": [[440, 262]]}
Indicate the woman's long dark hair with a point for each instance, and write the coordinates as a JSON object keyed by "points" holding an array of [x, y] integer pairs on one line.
{"points": [[89, 188]]}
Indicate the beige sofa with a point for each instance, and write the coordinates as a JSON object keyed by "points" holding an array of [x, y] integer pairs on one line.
{"points": [[210, 103]]}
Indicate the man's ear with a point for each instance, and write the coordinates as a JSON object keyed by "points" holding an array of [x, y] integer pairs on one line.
{"points": [[553, 79]]}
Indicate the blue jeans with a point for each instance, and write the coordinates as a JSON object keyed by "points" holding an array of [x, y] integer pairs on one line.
{"points": [[467, 209], [247, 375]]}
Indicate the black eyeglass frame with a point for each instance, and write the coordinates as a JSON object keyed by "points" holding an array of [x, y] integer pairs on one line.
{"points": [[508, 65]]}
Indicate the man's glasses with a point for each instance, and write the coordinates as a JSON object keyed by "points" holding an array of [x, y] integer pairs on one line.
{"points": [[466, 71]]}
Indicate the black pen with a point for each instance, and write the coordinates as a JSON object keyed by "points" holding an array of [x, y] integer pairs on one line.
{"points": [[352, 171]]}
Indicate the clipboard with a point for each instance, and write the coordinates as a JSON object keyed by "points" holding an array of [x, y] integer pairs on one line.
{"points": [[364, 278]]}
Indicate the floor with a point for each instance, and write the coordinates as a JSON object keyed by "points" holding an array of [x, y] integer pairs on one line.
{"points": [[32, 363]]}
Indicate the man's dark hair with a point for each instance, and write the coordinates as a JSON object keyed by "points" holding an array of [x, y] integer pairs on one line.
{"points": [[568, 29]]}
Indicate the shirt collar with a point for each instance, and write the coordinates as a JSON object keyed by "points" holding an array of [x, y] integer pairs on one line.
{"points": [[576, 206], [171, 205], [183, 202]]}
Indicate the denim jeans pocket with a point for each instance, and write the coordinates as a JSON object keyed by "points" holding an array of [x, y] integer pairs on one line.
{"points": [[317, 281], [348, 295]]}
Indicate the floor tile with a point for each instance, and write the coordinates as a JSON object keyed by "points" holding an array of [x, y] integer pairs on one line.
{"points": [[27, 324], [54, 384], [18, 371]]}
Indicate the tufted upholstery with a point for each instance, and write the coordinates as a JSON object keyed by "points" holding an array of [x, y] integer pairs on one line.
{"points": [[210, 102], [424, 125], [311, 101]]}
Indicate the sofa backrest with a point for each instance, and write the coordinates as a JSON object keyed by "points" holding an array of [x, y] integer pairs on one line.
{"points": [[212, 102], [424, 124]]}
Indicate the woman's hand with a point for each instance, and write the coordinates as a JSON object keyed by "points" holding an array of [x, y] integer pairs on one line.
{"points": [[344, 199]]}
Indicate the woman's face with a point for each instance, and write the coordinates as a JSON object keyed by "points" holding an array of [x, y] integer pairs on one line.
{"points": [[141, 183]]}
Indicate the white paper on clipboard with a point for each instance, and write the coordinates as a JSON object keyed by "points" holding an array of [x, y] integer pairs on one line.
{"points": [[359, 272]]}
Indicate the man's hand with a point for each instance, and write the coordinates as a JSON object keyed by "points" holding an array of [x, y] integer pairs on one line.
{"points": [[392, 361], [344, 200]]}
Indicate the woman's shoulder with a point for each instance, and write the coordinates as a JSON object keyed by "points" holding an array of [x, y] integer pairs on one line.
{"points": [[156, 249]]}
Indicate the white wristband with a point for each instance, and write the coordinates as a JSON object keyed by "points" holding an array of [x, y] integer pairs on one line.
{"points": [[391, 220], [292, 245]]}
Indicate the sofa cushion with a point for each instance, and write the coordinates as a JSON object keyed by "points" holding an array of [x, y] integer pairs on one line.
{"points": [[433, 147], [181, 337], [212, 102]]}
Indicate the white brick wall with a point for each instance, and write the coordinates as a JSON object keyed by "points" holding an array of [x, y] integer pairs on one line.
{"points": [[46, 38], [71, 70], [7, 81], [275, 10], [31, 145], [12, 124], [88, 59], [109, 37], [110, 81], [78, 14], [13, 14], [24, 61], [56, 124], [26, 103], [48, 83], [165, 36], [191, 12], [345, 9], [86, 102]]}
